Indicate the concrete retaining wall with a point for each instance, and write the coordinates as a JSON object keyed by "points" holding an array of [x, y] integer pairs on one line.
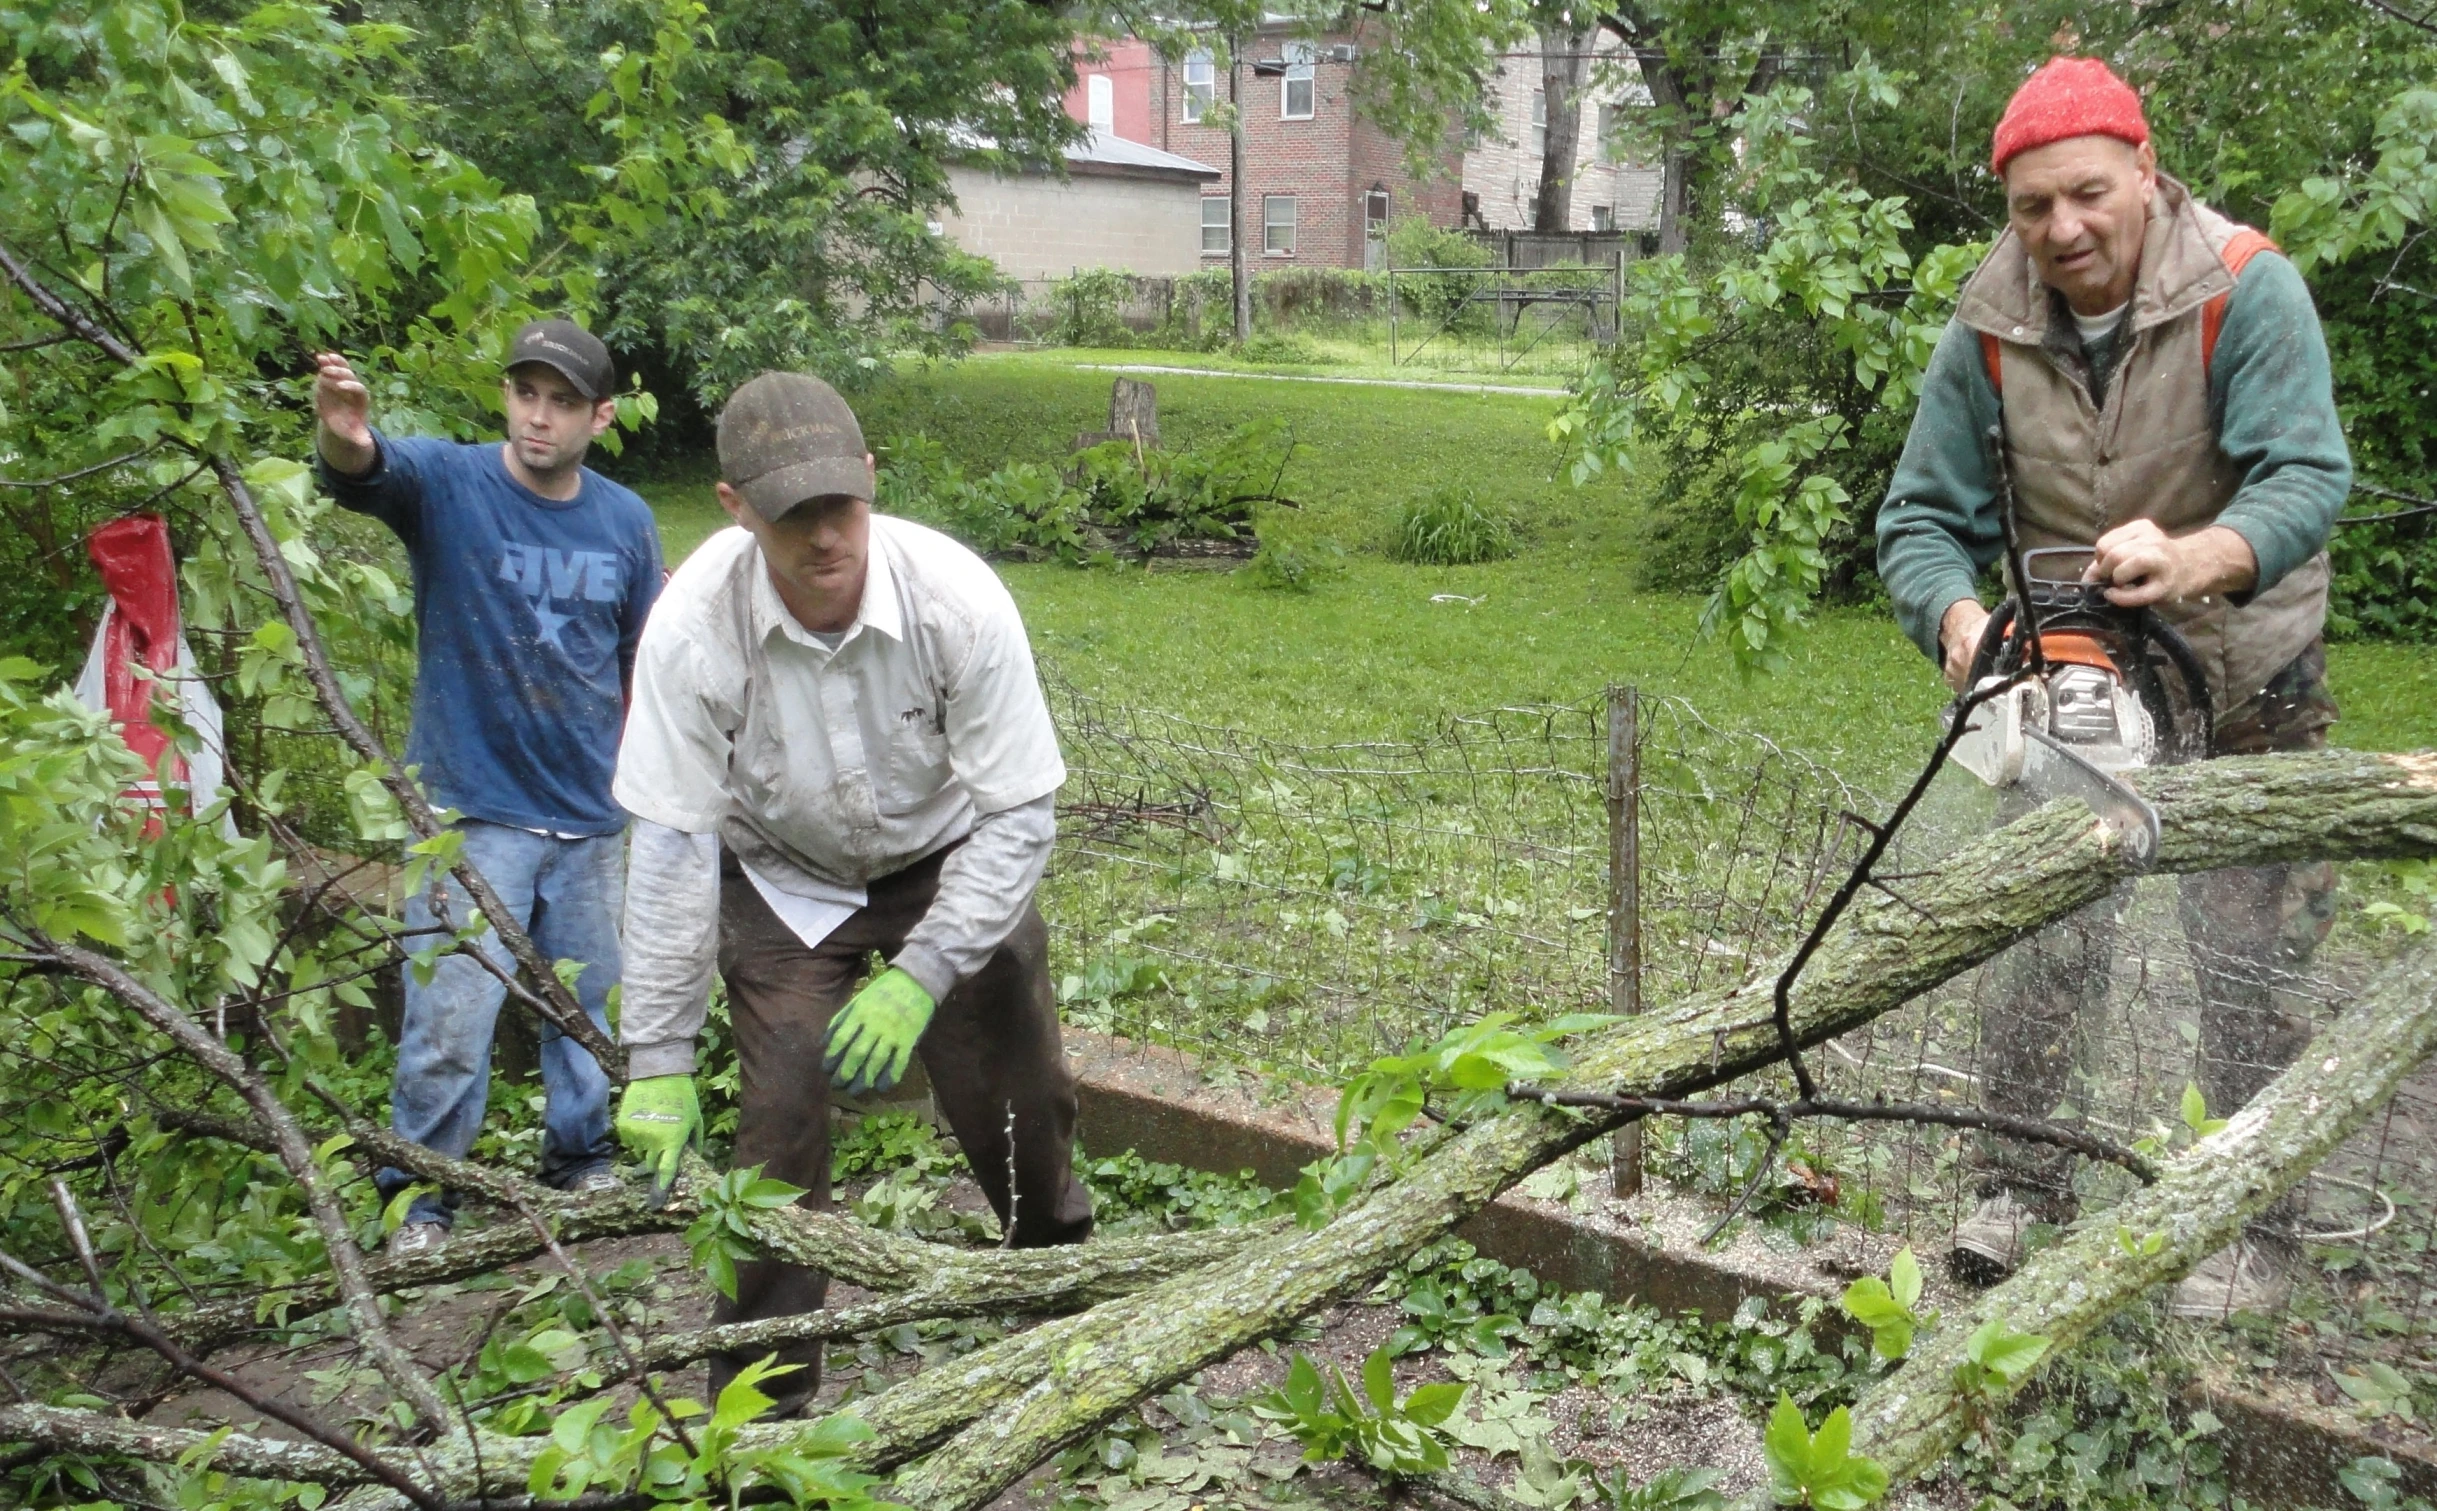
{"points": [[1155, 1101]]}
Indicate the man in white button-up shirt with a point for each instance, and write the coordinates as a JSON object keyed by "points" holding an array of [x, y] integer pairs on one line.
{"points": [[838, 747]]}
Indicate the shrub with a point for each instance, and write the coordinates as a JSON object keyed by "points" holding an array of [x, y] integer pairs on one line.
{"points": [[1090, 308], [1114, 497], [1285, 566], [2385, 578], [1449, 527], [1416, 243]]}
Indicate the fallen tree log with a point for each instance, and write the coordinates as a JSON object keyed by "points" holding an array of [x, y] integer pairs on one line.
{"points": [[1912, 1419], [962, 1433], [1964, 911]]}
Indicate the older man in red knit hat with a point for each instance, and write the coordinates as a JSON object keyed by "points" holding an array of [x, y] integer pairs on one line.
{"points": [[2165, 397]]}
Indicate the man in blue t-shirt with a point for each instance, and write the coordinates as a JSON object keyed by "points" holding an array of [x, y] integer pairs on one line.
{"points": [[532, 578]]}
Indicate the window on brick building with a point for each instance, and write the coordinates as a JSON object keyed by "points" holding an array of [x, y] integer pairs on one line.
{"points": [[1295, 91], [1215, 226], [1607, 133], [1100, 102], [1536, 140], [1603, 217], [1201, 85], [1278, 225]]}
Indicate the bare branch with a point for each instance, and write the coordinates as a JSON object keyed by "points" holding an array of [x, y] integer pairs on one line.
{"points": [[338, 1240], [2030, 1130], [99, 1315], [2425, 21], [82, 472], [65, 1430]]}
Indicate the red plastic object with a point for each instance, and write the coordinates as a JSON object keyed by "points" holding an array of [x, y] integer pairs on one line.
{"points": [[133, 557]]}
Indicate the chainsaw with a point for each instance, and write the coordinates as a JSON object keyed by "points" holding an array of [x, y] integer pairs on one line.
{"points": [[2102, 691]]}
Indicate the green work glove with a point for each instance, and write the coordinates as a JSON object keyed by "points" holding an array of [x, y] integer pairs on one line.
{"points": [[873, 1036], [657, 1118]]}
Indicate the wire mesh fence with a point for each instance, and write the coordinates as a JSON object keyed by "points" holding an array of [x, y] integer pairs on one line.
{"points": [[1302, 909]]}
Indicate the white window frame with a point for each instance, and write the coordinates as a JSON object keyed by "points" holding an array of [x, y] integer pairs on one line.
{"points": [[1607, 131], [1536, 135], [1100, 101], [1375, 200], [1302, 69], [1603, 217], [1201, 92], [1271, 225], [1224, 226]]}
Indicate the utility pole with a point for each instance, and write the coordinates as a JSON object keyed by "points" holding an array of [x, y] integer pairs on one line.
{"points": [[1240, 284]]}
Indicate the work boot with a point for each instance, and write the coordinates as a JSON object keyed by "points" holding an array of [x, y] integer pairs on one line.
{"points": [[2242, 1277], [1988, 1245], [789, 1393], [416, 1238], [595, 1181]]}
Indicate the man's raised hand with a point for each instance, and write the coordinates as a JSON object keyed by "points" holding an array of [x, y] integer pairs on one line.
{"points": [[342, 408]]}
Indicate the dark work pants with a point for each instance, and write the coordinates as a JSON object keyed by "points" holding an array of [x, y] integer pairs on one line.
{"points": [[2251, 931], [991, 1051]]}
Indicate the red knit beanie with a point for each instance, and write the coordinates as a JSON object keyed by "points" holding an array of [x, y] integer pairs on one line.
{"points": [[2068, 97]]}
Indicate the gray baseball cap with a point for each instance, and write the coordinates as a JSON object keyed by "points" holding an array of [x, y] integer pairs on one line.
{"points": [[569, 349], [787, 437]]}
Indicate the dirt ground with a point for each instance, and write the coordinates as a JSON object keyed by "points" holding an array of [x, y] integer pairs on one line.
{"points": [[446, 1325]]}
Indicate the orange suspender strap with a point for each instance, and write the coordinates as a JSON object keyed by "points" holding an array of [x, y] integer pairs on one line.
{"points": [[2237, 253]]}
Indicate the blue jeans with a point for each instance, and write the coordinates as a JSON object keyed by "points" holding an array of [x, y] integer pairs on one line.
{"points": [[568, 894]]}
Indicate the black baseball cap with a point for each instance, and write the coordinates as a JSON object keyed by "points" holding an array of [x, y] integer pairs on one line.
{"points": [[787, 437], [569, 350]]}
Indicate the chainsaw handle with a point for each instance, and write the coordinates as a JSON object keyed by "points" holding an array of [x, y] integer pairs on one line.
{"points": [[2195, 743], [1993, 634]]}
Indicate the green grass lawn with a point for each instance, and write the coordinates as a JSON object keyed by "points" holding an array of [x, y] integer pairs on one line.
{"points": [[1385, 648]]}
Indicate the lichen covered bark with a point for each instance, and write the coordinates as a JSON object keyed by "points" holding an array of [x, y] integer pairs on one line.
{"points": [[1911, 1420]]}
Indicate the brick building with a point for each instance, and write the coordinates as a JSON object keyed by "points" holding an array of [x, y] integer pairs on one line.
{"points": [[1502, 170], [1321, 182]]}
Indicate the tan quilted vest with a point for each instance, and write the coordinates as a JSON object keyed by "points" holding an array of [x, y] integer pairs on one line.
{"points": [[2152, 452]]}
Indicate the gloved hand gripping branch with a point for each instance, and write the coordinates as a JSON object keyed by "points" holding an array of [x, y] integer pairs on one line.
{"points": [[657, 1118]]}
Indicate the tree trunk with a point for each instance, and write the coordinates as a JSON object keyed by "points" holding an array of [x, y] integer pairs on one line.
{"points": [[1564, 59], [1240, 283], [1675, 163]]}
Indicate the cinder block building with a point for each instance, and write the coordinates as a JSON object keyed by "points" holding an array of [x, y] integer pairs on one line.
{"points": [[1121, 205]]}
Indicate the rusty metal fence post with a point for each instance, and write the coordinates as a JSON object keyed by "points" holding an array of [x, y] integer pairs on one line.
{"points": [[1624, 795]]}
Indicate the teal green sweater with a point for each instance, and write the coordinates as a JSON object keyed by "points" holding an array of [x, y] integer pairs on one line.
{"points": [[2270, 393]]}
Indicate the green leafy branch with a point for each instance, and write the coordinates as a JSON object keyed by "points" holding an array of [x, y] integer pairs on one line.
{"points": [[1818, 1469], [1473, 1065], [1324, 1413], [1889, 1307], [723, 1234]]}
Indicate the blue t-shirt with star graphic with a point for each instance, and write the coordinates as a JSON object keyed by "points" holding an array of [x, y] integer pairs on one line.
{"points": [[527, 613]]}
